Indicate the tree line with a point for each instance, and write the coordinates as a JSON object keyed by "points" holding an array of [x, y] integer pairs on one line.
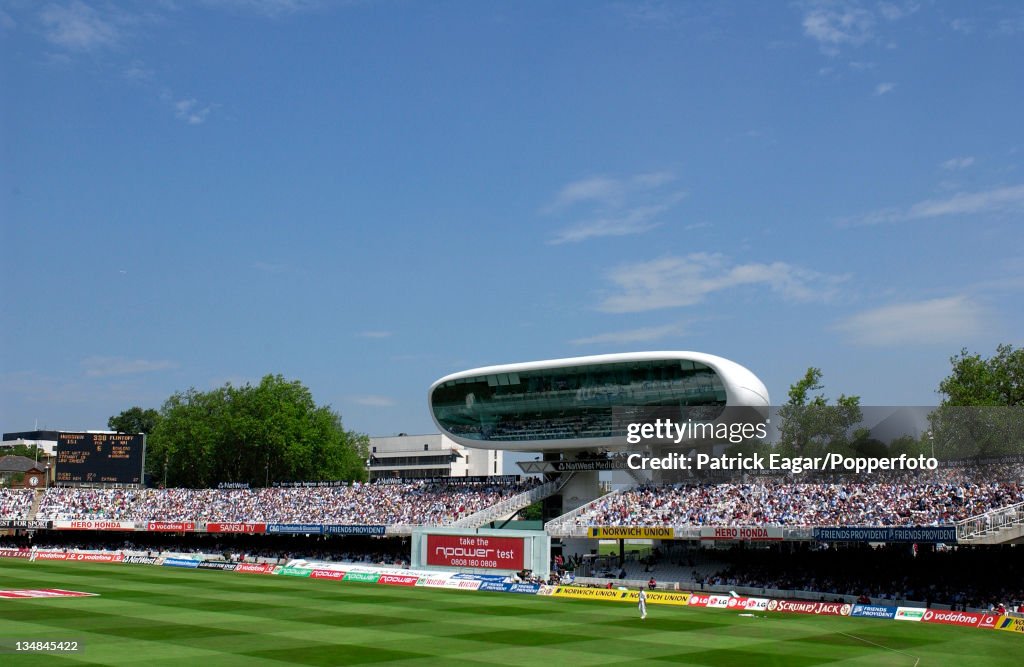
{"points": [[252, 434]]}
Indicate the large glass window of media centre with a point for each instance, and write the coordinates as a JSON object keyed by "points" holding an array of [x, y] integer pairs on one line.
{"points": [[568, 403]]}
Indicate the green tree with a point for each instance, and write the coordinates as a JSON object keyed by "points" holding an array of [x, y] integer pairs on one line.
{"points": [[809, 424], [982, 411], [134, 420], [273, 431], [974, 381]]}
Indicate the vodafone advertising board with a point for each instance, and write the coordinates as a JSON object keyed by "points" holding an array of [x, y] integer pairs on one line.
{"points": [[170, 526], [962, 618], [479, 551]]}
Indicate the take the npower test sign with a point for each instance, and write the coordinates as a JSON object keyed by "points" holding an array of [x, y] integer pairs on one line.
{"points": [[476, 551], [484, 550]]}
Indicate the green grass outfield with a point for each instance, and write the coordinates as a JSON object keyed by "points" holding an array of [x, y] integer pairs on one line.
{"points": [[164, 616]]}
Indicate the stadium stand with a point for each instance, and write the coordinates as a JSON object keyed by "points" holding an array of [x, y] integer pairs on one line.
{"points": [[413, 503], [15, 503], [942, 498]]}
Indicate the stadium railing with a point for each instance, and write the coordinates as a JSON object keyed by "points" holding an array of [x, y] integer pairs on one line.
{"points": [[513, 504], [557, 527], [990, 522]]}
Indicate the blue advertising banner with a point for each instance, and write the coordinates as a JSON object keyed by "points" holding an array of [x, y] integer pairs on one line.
{"points": [[493, 578], [873, 611], [180, 562], [927, 534], [355, 530], [295, 528], [527, 589]]}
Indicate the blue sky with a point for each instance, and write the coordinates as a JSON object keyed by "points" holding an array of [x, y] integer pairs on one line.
{"points": [[366, 196]]}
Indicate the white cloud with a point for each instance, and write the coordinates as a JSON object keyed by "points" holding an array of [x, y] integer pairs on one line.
{"points": [[957, 163], [78, 27], [374, 334], [635, 221], [606, 190], [883, 88], [963, 203], [108, 366], [642, 335], [191, 111], [614, 206], [939, 321], [837, 24], [966, 26], [374, 401], [892, 11], [672, 282]]}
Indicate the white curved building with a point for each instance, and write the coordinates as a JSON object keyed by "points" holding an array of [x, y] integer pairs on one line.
{"points": [[585, 402]]}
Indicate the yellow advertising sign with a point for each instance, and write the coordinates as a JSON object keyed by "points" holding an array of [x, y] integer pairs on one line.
{"points": [[1010, 624], [615, 595], [629, 532]]}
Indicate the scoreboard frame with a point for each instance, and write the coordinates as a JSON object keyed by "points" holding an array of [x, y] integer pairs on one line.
{"points": [[100, 458]]}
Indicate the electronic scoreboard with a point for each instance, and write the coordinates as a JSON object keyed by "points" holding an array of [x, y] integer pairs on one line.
{"points": [[100, 458]]}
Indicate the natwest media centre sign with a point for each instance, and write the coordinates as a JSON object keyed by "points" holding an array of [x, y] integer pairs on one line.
{"points": [[477, 551]]}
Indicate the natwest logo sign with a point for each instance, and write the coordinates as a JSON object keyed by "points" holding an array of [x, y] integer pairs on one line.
{"points": [[478, 551]]}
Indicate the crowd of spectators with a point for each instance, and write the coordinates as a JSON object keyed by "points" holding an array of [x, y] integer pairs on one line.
{"points": [[15, 503], [941, 498], [416, 503], [964, 577]]}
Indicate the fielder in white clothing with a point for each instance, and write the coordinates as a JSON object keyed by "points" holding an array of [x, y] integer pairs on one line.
{"points": [[643, 604]]}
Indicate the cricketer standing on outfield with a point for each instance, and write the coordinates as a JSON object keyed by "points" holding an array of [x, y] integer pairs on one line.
{"points": [[643, 604]]}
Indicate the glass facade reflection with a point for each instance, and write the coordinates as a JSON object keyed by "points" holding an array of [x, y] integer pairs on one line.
{"points": [[572, 402]]}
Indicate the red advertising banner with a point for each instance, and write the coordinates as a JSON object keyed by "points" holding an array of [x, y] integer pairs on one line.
{"points": [[397, 579], [171, 526], [327, 574], [90, 557], [15, 553], [236, 527], [479, 551], [255, 568], [962, 618], [808, 607], [51, 555], [747, 604]]}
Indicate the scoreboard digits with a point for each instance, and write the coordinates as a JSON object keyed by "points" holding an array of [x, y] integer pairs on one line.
{"points": [[99, 458]]}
